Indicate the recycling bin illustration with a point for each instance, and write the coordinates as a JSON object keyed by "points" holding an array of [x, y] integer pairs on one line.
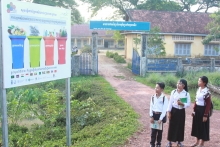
{"points": [[61, 50], [17, 46], [34, 46], [49, 50]]}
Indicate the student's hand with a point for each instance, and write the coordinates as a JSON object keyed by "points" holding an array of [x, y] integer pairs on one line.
{"points": [[193, 114], [152, 120], [169, 115], [204, 119], [179, 103], [159, 121]]}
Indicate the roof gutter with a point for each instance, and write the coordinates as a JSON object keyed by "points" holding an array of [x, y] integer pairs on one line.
{"points": [[183, 34]]}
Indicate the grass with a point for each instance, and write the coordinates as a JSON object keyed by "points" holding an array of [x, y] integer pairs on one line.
{"points": [[99, 117], [118, 122], [170, 81]]}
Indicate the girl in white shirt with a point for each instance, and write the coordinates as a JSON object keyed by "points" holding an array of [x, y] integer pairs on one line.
{"points": [[200, 125], [179, 100]]}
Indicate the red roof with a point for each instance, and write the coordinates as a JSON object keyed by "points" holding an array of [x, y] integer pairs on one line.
{"points": [[173, 22], [83, 30]]}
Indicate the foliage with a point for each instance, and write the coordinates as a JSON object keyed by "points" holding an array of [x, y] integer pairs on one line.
{"points": [[68, 4], [116, 57], [129, 66], [201, 5], [98, 115], [160, 5], [213, 28], [86, 49], [121, 6], [137, 41], [155, 44]]}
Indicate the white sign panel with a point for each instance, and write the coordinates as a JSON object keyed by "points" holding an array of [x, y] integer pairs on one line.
{"points": [[36, 43]]}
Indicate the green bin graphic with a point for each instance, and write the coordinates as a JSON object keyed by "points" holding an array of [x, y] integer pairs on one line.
{"points": [[34, 46]]}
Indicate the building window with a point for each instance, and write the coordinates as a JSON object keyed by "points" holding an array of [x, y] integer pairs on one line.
{"points": [[85, 42], [121, 43], [215, 39], [72, 43], [161, 37], [99, 42], [182, 37], [211, 50], [78, 43], [182, 49], [111, 43]]}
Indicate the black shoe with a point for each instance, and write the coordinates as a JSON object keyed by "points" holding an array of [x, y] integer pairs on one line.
{"points": [[158, 146]]}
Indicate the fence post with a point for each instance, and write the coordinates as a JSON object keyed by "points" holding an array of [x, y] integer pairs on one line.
{"points": [[212, 66], [75, 65], [179, 65], [94, 53], [143, 65]]}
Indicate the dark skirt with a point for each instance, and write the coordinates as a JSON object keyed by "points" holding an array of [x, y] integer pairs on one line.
{"points": [[200, 129], [176, 125]]}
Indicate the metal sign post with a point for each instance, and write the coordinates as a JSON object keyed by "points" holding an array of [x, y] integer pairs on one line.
{"points": [[3, 92], [68, 125]]}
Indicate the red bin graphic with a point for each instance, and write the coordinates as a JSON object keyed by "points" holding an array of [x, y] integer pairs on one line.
{"points": [[61, 50], [49, 50]]}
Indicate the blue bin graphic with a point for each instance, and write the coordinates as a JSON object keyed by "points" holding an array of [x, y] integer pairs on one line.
{"points": [[17, 46]]}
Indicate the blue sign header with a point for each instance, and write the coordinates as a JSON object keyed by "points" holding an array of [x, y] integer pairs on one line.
{"points": [[119, 25]]}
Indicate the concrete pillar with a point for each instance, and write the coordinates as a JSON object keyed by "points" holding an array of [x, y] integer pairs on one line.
{"points": [[94, 53], [179, 64], [75, 65], [143, 58], [212, 66]]}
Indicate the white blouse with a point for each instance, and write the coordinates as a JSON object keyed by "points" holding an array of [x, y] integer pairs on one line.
{"points": [[201, 95], [175, 96]]}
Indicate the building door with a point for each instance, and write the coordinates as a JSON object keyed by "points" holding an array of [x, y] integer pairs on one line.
{"points": [[106, 44]]}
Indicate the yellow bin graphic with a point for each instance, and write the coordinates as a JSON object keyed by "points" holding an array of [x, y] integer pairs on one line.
{"points": [[34, 46]]}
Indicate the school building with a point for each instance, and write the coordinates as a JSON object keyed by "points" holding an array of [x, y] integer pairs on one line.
{"points": [[182, 32], [82, 35]]}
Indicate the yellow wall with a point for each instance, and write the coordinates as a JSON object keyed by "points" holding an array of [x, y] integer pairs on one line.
{"points": [[130, 45], [197, 48]]}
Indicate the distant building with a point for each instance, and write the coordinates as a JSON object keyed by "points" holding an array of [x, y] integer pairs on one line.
{"points": [[82, 35], [182, 32]]}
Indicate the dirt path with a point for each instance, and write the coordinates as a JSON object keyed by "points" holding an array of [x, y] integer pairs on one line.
{"points": [[138, 96]]}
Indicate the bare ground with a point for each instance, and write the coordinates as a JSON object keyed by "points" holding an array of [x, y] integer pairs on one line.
{"points": [[138, 96]]}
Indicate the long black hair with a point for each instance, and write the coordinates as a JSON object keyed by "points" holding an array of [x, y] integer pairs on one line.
{"points": [[184, 82], [204, 80]]}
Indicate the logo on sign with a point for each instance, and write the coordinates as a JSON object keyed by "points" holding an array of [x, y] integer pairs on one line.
{"points": [[11, 8]]}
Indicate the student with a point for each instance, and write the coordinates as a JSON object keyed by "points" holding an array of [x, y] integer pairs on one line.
{"points": [[179, 100], [200, 125], [158, 106]]}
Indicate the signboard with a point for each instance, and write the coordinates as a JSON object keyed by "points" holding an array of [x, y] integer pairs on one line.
{"points": [[35, 42], [120, 25], [161, 64]]}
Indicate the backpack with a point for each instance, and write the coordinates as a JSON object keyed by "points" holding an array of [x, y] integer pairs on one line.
{"points": [[164, 120], [211, 108]]}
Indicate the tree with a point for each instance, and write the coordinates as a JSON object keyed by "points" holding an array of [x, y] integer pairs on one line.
{"points": [[202, 5], [69, 4], [160, 5], [213, 28], [155, 44]]}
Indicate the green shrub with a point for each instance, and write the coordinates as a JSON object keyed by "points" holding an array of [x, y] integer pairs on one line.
{"points": [[154, 78], [86, 49], [129, 66], [119, 59], [170, 80], [109, 54]]}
